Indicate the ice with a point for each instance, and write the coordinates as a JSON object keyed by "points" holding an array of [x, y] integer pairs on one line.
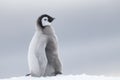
{"points": [[65, 77]]}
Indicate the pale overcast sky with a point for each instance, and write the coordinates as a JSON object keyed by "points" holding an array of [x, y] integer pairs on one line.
{"points": [[88, 33]]}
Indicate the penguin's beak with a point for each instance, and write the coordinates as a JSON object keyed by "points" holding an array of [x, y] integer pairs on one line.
{"points": [[51, 19]]}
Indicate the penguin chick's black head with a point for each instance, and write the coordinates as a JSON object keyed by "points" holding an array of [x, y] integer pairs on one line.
{"points": [[44, 20]]}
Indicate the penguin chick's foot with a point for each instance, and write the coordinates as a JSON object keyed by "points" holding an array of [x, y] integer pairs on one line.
{"points": [[57, 73], [28, 74]]}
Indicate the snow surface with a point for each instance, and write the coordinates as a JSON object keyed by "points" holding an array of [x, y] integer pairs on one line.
{"points": [[66, 77]]}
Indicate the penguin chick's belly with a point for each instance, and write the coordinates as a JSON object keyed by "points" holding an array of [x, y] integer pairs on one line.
{"points": [[37, 57]]}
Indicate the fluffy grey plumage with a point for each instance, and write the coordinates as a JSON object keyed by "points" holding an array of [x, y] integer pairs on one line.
{"points": [[43, 51]]}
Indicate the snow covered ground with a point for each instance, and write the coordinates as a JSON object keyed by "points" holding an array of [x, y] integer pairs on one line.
{"points": [[66, 77]]}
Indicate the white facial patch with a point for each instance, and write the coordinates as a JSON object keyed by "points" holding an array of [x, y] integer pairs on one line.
{"points": [[45, 21]]}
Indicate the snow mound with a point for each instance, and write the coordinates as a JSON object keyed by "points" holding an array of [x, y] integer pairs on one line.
{"points": [[66, 77]]}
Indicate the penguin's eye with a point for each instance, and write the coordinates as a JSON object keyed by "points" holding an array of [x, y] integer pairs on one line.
{"points": [[45, 19]]}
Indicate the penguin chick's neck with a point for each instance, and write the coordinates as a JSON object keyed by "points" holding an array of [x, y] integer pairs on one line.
{"points": [[48, 30]]}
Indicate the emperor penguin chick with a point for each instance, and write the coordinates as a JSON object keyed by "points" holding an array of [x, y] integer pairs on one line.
{"points": [[43, 59]]}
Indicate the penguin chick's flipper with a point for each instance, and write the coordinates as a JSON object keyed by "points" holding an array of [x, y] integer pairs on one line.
{"points": [[28, 74], [58, 73]]}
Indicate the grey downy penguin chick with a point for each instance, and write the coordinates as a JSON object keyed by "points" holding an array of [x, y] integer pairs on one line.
{"points": [[43, 59]]}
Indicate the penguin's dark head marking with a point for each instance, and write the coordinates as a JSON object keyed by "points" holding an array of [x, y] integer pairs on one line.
{"points": [[44, 20]]}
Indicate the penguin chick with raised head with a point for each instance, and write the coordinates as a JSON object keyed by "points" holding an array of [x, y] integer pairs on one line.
{"points": [[43, 59]]}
